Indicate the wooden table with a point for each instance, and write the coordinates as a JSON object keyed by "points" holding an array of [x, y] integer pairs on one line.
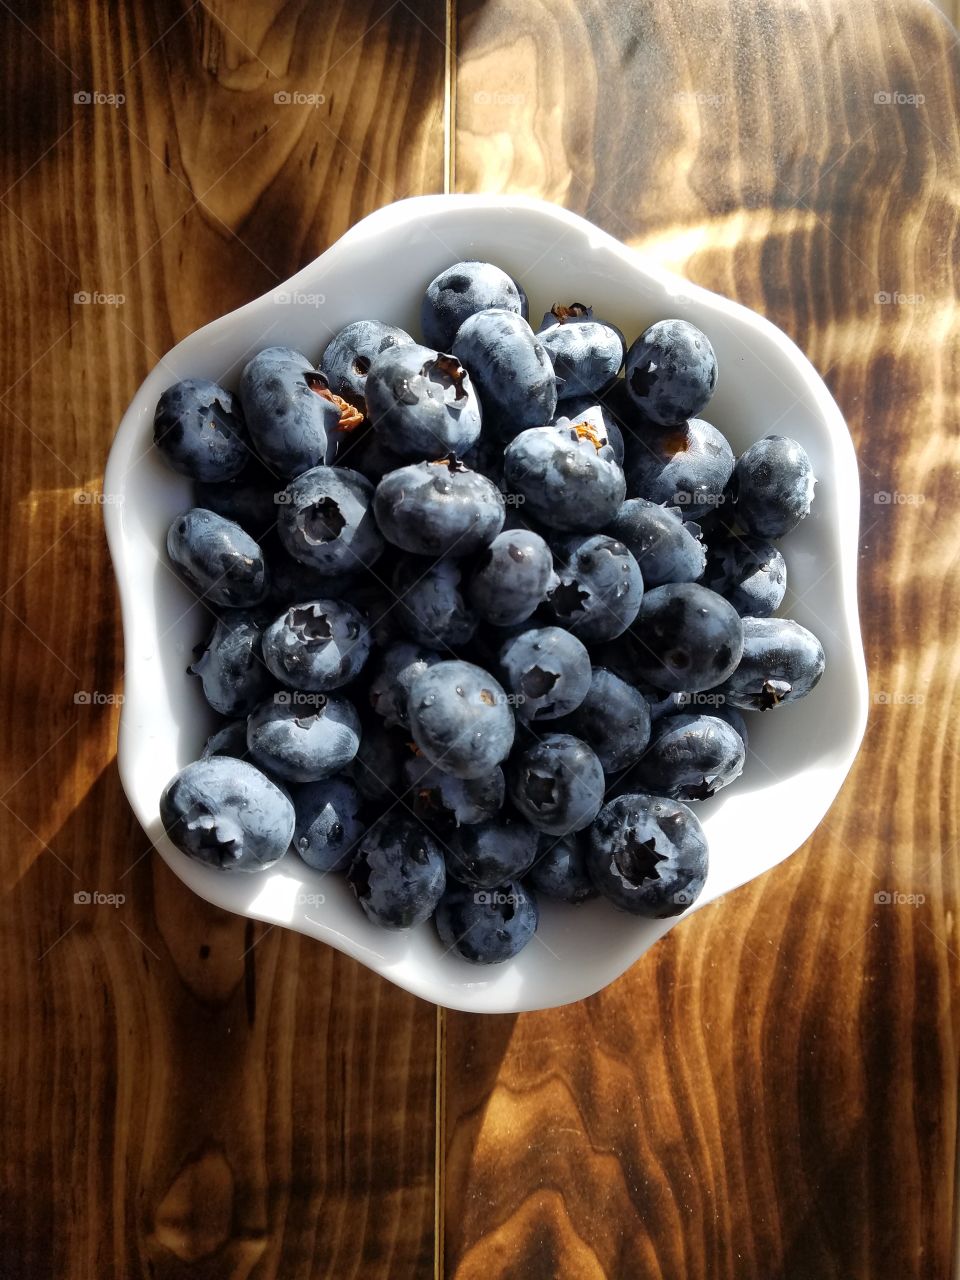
{"points": [[772, 1091]]}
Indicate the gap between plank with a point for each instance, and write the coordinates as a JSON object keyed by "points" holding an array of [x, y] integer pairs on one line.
{"points": [[439, 1159]]}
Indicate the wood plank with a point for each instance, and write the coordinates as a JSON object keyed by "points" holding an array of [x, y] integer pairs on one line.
{"points": [[772, 1091], [184, 1094]]}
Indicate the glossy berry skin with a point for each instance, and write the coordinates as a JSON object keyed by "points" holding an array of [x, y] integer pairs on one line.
{"points": [[231, 740], [231, 666], [398, 873], [461, 291], [431, 608], [691, 757], [687, 467], [589, 411], [750, 572], [599, 587], [782, 661], [665, 547], [560, 870], [303, 741], [735, 719], [488, 853], [217, 558], [438, 508], [511, 578], [511, 370], [226, 814], [487, 926], [460, 719], [569, 479], [444, 801], [547, 670], [317, 646], [556, 784], [613, 719], [586, 356], [773, 486], [671, 372], [292, 419], [329, 825], [648, 855], [400, 664], [688, 638], [422, 403], [199, 429], [347, 357], [325, 520]]}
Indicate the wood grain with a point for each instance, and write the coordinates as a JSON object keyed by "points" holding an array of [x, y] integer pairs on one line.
{"points": [[184, 1095], [772, 1091]]}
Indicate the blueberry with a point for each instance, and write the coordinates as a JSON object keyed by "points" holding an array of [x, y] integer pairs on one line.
{"points": [[219, 560], [687, 466], [511, 369], [460, 718], [248, 500], [648, 855], [547, 670], [671, 372], [291, 581], [488, 853], [325, 520], [377, 767], [231, 666], [292, 416], [691, 757], [422, 403], [735, 719], [560, 870], [665, 547], [369, 454], [557, 784], [398, 873], [438, 508], [586, 356], [590, 412], [599, 587], [231, 740], [773, 486], [782, 661], [317, 646], [443, 800], [303, 737], [613, 719], [687, 638], [199, 429], [225, 813], [750, 572], [461, 291], [487, 926], [568, 477], [511, 578], [328, 826], [430, 607], [347, 357], [400, 664]]}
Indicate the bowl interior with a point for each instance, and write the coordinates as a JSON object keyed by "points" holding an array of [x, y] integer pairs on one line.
{"points": [[798, 756]]}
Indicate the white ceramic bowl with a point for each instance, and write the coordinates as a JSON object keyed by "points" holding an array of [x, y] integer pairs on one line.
{"points": [[799, 755]]}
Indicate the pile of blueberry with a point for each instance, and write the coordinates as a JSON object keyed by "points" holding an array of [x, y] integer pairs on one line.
{"points": [[486, 615]]}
